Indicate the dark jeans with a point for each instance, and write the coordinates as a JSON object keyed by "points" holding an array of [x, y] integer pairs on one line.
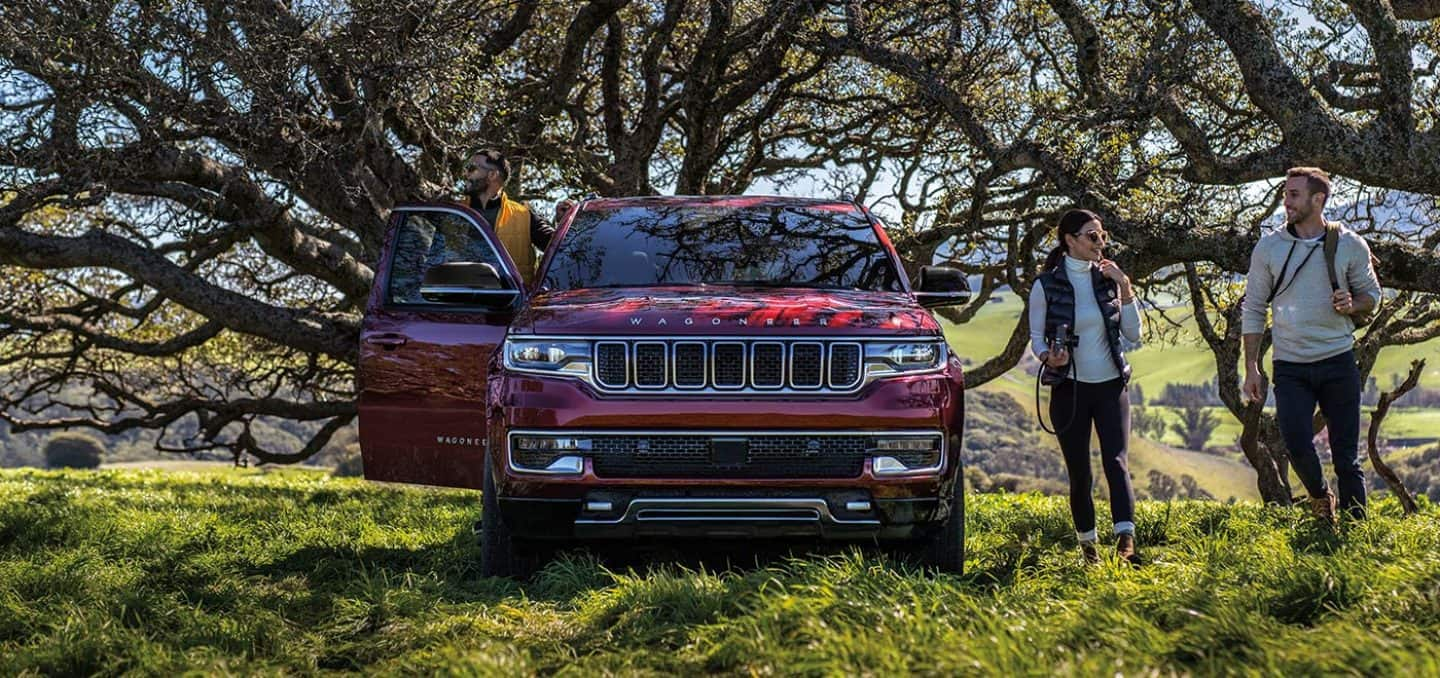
{"points": [[1333, 384], [1106, 407]]}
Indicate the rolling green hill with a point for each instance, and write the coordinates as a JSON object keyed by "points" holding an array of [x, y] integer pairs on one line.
{"points": [[1185, 360], [1224, 478], [222, 573]]}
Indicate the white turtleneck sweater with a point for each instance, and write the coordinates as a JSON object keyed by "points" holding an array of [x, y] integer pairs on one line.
{"points": [[1092, 357]]}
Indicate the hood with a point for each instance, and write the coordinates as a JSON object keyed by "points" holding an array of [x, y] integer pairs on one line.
{"points": [[724, 311]]}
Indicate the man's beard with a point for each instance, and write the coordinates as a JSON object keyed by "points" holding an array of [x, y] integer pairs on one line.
{"points": [[1297, 216]]}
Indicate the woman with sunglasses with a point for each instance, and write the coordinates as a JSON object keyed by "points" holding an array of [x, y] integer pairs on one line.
{"points": [[1091, 297]]}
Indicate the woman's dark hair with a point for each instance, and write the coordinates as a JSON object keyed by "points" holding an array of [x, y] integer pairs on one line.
{"points": [[1070, 224]]}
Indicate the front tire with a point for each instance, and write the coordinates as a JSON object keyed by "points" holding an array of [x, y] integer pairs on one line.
{"points": [[501, 554], [946, 550]]}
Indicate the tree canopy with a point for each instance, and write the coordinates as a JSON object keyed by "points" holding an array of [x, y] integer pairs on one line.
{"points": [[193, 194]]}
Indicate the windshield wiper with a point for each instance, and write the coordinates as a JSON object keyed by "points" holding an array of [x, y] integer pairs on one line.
{"points": [[615, 286], [779, 283]]}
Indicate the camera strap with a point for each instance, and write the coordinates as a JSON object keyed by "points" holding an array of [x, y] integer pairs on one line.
{"points": [[1074, 398], [1277, 290]]}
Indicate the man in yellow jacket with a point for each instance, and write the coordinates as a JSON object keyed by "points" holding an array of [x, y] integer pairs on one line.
{"points": [[520, 229]]}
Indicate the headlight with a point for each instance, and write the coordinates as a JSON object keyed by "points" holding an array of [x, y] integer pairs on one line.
{"points": [[556, 357], [883, 360]]}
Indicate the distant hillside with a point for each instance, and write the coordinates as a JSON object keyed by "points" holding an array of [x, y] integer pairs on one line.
{"points": [[226, 573], [1005, 450]]}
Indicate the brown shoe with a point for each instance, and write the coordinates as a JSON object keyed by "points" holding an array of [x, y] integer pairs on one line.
{"points": [[1125, 548], [1088, 552], [1324, 509]]}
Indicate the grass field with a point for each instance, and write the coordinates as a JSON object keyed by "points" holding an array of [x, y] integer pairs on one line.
{"points": [[204, 466], [220, 573]]}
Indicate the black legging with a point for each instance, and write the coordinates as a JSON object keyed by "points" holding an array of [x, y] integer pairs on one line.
{"points": [[1106, 406]]}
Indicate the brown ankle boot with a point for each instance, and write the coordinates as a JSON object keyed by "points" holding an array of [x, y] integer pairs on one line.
{"points": [[1125, 548], [1088, 552], [1324, 509]]}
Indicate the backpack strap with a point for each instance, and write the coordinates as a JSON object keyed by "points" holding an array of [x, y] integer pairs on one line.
{"points": [[1332, 243]]}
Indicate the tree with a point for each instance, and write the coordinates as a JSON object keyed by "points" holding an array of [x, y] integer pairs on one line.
{"points": [[73, 450], [1162, 486], [1192, 489], [1147, 421], [1196, 424], [192, 196], [1142, 125]]}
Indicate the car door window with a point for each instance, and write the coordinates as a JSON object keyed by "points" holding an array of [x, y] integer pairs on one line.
{"points": [[427, 239]]}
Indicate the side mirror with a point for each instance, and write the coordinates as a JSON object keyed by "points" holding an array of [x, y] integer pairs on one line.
{"points": [[466, 282], [942, 286]]}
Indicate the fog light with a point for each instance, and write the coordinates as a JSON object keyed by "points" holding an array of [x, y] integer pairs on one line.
{"points": [[886, 466], [567, 464]]}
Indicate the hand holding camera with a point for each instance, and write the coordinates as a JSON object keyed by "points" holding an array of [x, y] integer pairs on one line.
{"points": [[1057, 359]]}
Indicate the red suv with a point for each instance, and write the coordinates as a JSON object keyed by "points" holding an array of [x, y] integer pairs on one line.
{"points": [[718, 367]]}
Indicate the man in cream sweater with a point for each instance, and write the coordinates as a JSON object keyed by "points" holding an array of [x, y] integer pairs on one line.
{"points": [[1313, 337]]}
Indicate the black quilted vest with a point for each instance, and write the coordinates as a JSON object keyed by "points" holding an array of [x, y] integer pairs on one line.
{"points": [[1060, 309]]}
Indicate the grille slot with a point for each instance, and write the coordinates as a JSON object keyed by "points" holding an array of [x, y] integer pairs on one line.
{"points": [[689, 364], [650, 364], [767, 365], [844, 365], [612, 365], [805, 368], [730, 365]]}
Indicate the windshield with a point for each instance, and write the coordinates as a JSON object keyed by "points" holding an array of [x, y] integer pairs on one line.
{"points": [[692, 245]]}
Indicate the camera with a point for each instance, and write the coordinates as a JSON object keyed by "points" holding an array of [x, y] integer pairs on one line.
{"points": [[1064, 339], [1051, 376]]}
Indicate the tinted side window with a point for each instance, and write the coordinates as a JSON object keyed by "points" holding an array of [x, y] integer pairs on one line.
{"points": [[428, 239]]}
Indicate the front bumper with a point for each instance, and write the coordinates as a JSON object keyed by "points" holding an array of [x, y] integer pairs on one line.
{"points": [[711, 513], [723, 502]]}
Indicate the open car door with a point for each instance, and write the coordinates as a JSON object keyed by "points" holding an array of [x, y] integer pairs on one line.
{"points": [[444, 293]]}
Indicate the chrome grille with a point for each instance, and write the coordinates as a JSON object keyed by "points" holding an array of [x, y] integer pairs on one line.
{"points": [[719, 365]]}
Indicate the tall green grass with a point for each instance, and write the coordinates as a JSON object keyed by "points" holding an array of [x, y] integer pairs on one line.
{"points": [[154, 573]]}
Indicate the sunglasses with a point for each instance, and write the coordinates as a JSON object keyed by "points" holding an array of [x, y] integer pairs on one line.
{"points": [[473, 167], [1097, 237]]}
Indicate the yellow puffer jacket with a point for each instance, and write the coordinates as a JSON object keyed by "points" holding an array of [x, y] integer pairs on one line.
{"points": [[512, 227]]}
